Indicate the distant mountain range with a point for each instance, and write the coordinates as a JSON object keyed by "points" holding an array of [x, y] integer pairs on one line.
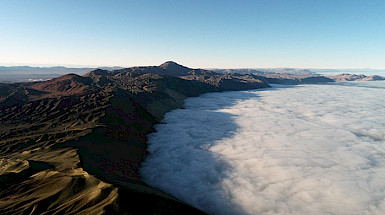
{"points": [[350, 71], [27, 73], [50, 70], [268, 71], [354, 77], [14, 74]]}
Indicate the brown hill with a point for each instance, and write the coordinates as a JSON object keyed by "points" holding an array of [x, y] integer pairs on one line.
{"points": [[65, 85], [354, 77], [74, 144]]}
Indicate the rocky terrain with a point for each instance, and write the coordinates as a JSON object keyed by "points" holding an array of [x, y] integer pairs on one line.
{"points": [[354, 77], [281, 76], [74, 144]]}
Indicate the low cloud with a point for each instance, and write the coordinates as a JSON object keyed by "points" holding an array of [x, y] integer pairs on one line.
{"points": [[314, 149]]}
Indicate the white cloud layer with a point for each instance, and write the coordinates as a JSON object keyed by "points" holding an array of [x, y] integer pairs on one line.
{"points": [[312, 149]]}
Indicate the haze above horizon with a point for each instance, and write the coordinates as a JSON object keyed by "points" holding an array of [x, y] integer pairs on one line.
{"points": [[205, 34]]}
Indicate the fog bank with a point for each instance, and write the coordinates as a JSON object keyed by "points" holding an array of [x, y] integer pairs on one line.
{"points": [[311, 149]]}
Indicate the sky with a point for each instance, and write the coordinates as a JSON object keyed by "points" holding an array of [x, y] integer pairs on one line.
{"points": [[195, 33]]}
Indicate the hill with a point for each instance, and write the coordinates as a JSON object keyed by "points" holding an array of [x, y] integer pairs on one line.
{"points": [[74, 144], [354, 77]]}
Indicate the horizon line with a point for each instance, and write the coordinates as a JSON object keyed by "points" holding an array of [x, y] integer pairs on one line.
{"points": [[77, 66]]}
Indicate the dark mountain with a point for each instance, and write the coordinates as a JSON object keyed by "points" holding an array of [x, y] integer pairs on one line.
{"points": [[169, 68], [175, 69], [74, 144], [231, 81], [295, 79], [283, 71], [281, 76]]}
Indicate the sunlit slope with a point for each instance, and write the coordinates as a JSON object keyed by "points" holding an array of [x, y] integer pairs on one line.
{"points": [[74, 144]]}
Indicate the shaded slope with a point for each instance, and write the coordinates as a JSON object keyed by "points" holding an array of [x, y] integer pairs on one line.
{"points": [[94, 124]]}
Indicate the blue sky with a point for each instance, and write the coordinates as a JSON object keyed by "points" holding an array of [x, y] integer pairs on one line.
{"points": [[200, 33]]}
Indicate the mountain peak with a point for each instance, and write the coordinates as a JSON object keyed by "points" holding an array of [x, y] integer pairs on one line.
{"points": [[172, 65], [169, 63]]}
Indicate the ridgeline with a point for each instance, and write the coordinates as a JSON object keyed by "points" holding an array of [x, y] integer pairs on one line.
{"points": [[74, 144]]}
